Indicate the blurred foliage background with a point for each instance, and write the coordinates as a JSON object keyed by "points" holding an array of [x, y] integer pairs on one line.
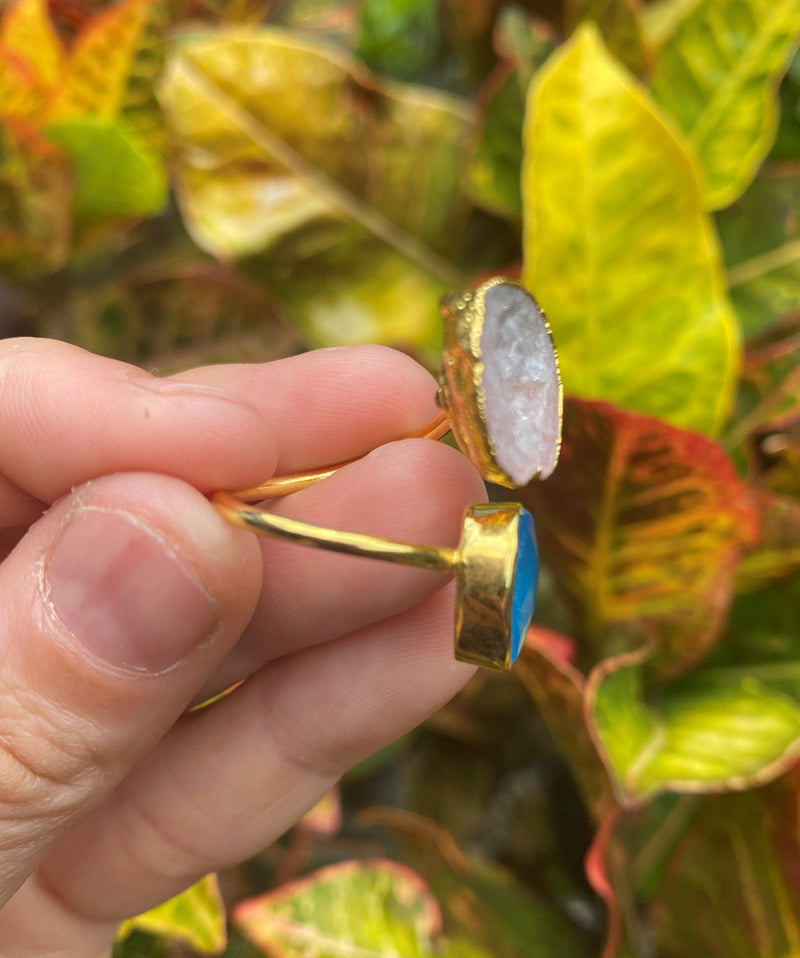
{"points": [[218, 180]]}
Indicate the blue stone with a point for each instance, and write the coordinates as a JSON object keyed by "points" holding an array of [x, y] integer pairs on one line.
{"points": [[526, 578]]}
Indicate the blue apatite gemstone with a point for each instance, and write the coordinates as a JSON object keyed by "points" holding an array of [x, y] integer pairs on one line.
{"points": [[526, 578]]}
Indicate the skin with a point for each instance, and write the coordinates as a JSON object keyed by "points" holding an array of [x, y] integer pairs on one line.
{"points": [[111, 798]]}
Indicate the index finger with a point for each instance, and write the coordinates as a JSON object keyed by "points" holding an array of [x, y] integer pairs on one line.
{"points": [[331, 404], [68, 416]]}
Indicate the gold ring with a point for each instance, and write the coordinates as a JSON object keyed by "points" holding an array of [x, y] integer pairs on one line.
{"points": [[500, 392], [495, 564], [508, 426]]}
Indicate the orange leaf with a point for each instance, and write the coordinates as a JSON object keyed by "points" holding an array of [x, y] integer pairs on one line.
{"points": [[35, 201], [114, 65], [20, 94], [27, 31], [643, 525]]}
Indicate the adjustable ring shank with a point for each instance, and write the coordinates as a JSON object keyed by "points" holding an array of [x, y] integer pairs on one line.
{"points": [[349, 543], [288, 485]]}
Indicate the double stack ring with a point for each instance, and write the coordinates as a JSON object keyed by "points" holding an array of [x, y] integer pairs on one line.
{"points": [[500, 393]]}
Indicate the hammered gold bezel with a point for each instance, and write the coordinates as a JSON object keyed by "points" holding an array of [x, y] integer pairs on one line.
{"points": [[461, 395], [485, 582]]}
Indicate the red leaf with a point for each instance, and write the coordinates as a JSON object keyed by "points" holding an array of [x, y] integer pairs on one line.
{"points": [[643, 524]]}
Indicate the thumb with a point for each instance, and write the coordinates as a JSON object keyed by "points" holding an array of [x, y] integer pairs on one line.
{"points": [[116, 607]]}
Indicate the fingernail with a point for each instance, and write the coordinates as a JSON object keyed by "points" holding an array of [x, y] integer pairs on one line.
{"points": [[123, 593]]}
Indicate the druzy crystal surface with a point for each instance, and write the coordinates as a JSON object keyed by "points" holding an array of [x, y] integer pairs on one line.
{"points": [[526, 579], [521, 384]]}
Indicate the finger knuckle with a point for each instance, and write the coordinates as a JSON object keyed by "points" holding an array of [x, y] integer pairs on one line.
{"points": [[47, 762]]}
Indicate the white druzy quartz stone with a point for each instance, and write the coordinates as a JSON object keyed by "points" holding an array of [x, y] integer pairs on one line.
{"points": [[521, 384]]}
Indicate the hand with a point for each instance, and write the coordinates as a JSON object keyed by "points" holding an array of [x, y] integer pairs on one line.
{"points": [[125, 597]]}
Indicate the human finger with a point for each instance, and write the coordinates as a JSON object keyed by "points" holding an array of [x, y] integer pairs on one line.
{"points": [[115, 418], [415, 491], [232, 778], [330, 404], [116, 607], [215, 427]]}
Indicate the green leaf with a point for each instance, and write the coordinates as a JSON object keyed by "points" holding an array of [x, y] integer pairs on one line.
{"points": [[369, 908], [620, 22], [113, 68], [765, 435], [207, 313], [492, 177], [770, 380], [348, 218], [776, 555], [714, 875], [140, 944], [115, 175], [700, 734], [642, 525], [618, 249], [761, 239], [399, 38], [762, 640], [737, 861], [196, 917], [503, 919], [717, 75], [787, 139], [558, 689]]}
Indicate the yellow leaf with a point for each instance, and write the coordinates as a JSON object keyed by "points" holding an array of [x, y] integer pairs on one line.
{"points": [[618, 248], [717, 74], [345, 186], [114, 66], [26, 30], [21, 96], [196, 916]]}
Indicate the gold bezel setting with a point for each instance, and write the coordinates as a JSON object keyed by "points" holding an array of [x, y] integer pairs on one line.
{"points": [[462, 393]]}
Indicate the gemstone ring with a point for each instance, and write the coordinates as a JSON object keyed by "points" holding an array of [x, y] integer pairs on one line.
{"points": [[495, 565], [501, 395]]}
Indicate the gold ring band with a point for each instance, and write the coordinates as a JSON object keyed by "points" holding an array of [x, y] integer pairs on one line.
{"points": [[495, 565]]}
